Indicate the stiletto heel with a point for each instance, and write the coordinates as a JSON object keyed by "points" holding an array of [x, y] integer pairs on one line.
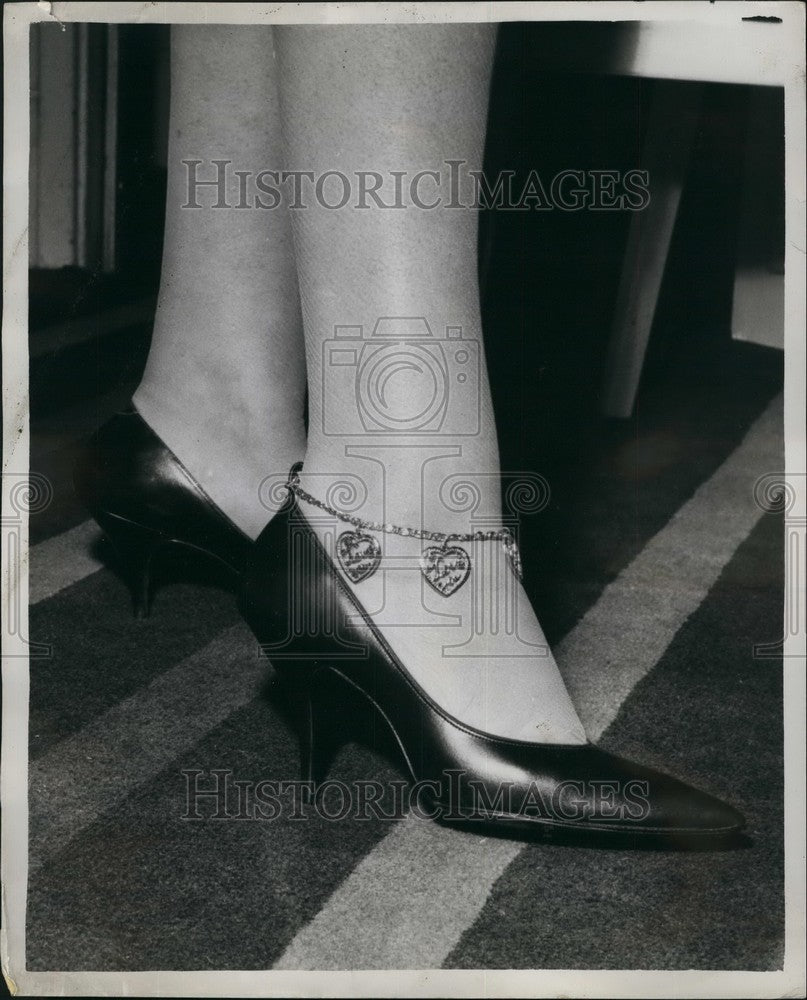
{"points": [[145, 499], [317, 750], [135, 548], [319, 724]]}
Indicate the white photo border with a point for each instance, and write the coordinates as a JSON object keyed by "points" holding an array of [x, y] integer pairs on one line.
{"points": [[780, 54]]}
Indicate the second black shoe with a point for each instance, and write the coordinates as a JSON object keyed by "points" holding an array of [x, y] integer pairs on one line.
{"points": [[147, 503]]}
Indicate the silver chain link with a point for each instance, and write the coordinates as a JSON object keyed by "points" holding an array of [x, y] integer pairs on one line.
{"points": [[502, 535]]}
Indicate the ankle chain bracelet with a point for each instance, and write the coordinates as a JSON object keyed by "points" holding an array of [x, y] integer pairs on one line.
{"points": [[445, 567]]}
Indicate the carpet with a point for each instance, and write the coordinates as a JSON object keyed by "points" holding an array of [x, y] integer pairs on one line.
{"points": [[651, 553]]}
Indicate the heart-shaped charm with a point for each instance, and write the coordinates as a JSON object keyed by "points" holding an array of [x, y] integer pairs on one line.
{"points": [[359, 554], [445, 568]]}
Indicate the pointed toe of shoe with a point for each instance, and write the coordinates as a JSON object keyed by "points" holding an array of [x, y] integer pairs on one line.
{"points": [[714, 816], [681, 809]]}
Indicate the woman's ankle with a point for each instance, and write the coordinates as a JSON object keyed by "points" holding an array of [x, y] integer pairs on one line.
{"points": [[229, 455], [443, 486]]}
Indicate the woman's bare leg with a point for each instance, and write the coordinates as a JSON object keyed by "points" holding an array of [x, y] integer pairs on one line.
{"points": [[409, 98], [224, 383]]}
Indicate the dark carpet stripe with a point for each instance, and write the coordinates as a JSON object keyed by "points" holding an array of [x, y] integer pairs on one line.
{"points": [[91, 772], [101, 653], [712, 714], [143, 888], [616, 489]]}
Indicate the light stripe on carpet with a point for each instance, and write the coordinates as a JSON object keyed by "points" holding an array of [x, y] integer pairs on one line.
{"points": [[636, 617], [88, 772], [63, 560], [417, 855], [430, 886]]}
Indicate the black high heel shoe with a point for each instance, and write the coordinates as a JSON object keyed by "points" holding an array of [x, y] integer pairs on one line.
{"points": [[146, 502], [301, 610]]}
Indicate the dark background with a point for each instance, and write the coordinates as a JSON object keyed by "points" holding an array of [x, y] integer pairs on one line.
{"points": [[552, 277]]}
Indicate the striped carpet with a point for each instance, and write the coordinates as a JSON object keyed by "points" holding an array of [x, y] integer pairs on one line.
{"points": [[655, 642]]}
